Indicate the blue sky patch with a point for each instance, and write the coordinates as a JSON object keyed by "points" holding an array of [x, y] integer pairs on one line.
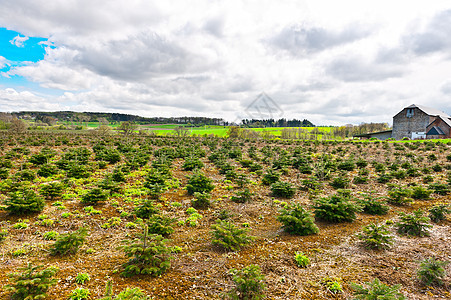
{"points": [[18, 48]]}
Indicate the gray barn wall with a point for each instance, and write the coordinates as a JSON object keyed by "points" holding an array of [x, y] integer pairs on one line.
{"points": [[404, 126]]}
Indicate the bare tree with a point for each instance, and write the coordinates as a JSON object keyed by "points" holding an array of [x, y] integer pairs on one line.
{"points": [[17, 126], [127, 127], [181, 131]]}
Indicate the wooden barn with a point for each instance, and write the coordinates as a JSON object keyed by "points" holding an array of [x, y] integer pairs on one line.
{"points": [[421, 122]]}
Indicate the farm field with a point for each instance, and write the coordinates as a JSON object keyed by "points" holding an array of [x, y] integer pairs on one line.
{"points": [[276, 198]]}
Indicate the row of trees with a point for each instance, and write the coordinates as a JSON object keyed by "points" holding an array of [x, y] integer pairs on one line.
{"points": [[70, 116], [255, 123]]}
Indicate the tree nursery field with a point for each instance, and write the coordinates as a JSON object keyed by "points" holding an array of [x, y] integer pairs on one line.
{"points": [[86, 216]]}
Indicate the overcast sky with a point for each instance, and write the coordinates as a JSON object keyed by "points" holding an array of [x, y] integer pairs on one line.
{"points": [[332, 62]]}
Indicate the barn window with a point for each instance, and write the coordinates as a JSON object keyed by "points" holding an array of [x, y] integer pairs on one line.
{"points": [[409, 113]]}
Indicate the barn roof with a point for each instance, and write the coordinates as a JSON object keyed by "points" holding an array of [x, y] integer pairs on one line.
{"points": [[430, 111]]}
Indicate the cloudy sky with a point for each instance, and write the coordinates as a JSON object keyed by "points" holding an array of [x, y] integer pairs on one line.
{"points": [[332, 62]]}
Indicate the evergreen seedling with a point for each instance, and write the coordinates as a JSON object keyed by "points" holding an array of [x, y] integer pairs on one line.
{"points": [[438, 212], [24, 201], [249, 284], [376, 290], [229, 236], [413, 224], [376, 237], [31, 283], [198, 182], [69, 243], [296, 220], [148, 255], [432, 271], [336, 208]]}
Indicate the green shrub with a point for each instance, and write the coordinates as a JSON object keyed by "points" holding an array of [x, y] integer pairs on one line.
{"points": [[127, 294], [376, 237], [301, 260], [283, 189], [24, 201], [398, 195], [201, 200], [249, 284], [94, 196], [78, 171], [3, 234], [360, 180], [420, 193], [384, 178], [296, 220], [162, 225], [146, 209], [80, 294], [198, 182], [336, 208], [81, 278], [69, 243], [376, 290], [333, 285], [31, 283], [438, 212], [340, 182], [52, 190], [413, 224], [432, 271], [228, 236], [147, 254], [242, 196], [441, 189], [373, 206], [192, 163], [50, 235], [27, 175], [47, 170]]}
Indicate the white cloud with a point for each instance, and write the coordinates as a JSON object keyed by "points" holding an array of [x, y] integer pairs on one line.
{"points": [[328, 61], [19, 41]]}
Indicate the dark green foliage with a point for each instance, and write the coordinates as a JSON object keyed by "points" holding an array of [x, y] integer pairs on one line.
{"points": [[336, 208], [4, 173], [361, 163], [198, 182], [399, 174], [373, 206], [283, 189], [192, 163], [296, 220], [271, 176], [69, 243], [413, 172], [109, 184], [420, 193], [360, 180], [346, 165], [413, 224], [432, 271], [146, 209], [201, 200], [156, 182], [159, 224], [249, 284], [398, 195], [228, 236], [3, 234], [27, 175], [377, 290], [31, 283], [437, 168], [43, 157], [76, 170], [340, 182], [384, 178], [24, 201], [448, 157], [441, 189], [52, 190], [110, 155], [148, 255], [376, 237], [438, 212], [118, 175], [47, 170], [127, 294], [94, 196], [242, 196]]}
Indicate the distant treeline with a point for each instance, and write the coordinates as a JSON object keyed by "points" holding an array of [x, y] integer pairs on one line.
{"points": [[349, 131], [254, 123], [71, 116]]}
